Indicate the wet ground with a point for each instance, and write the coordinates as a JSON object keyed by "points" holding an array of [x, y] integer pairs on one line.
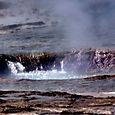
{"points": [[60, 97], [93, 85], [92, 96], [54, 103]]}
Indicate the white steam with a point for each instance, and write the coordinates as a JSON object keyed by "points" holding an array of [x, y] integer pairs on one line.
{"points": [[85, 23]]}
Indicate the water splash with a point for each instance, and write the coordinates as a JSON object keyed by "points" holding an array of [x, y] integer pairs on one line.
{"points": [[12, 67], [62, 66], [41, 67], [17, 70], [16, 67]]}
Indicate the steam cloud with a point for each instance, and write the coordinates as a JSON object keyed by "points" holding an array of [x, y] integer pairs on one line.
{"points": [[85, 23]]}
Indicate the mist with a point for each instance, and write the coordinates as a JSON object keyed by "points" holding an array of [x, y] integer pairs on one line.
{"points": [[84, 23], [76, 23]]}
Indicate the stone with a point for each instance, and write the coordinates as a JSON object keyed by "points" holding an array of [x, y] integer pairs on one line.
{"points": [[90, 61]]}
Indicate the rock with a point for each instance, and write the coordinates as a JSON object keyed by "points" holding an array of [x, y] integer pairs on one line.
{"points": [[43, 61], [31, 61], [84, 61], [100, 77], [90, 61], [3, 66], [19, 26]]}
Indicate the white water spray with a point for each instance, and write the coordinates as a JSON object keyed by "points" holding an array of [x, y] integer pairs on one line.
{"points": [[62, 66], [17, 69]]}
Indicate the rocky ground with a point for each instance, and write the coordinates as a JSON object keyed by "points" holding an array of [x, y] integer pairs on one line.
{"points": [[54, 103], [50, 102]]}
